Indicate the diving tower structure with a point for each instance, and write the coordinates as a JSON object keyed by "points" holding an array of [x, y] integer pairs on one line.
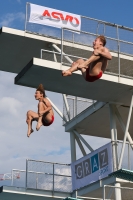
{"points": [[40, 58]]}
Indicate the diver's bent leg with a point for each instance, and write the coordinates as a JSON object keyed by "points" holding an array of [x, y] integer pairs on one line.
{"points": [[74, 67], [40, 108], [30, 116]]}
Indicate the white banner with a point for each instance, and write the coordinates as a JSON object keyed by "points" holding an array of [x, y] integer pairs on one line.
{"points": [[92, 167], [56, 18]]}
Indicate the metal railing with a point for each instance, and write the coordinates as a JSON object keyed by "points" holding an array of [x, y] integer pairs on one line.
{"points": [[127, 162], [18, 178], [120, 65], [119, 41], [56, 177], [88, 24], [48, 176], [77, 105], [118, 193]]}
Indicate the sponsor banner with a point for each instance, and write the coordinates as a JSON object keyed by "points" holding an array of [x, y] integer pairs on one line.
{"points": [[93, 167], [56, 18]]}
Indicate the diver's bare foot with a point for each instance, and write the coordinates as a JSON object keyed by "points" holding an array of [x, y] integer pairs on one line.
{"points": [[38, 126], [66, 73], [29, 132]]}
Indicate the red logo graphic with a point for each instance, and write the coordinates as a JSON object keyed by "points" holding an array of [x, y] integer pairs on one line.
{"points": [[57, 16]]}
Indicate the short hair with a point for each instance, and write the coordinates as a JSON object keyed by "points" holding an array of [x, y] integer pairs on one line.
{"points": [[41, 89], [102, 39]]}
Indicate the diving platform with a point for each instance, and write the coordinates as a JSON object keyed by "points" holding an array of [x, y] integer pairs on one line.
{"points": [[11, 192], [20, 53], [94, 190], [107, 89], [98, 113]]}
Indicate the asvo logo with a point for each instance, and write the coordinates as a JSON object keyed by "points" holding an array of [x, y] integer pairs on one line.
{"points": [[55, 18], [92, 164], [59, 16]]}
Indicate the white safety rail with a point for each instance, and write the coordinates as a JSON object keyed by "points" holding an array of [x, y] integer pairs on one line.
{"points": [[48, 176], [127, 162], [119, 41], [10, 176], [89, 25], [117, 192], [122, 60], [18, 182], [120, 65], [41, 175], [76, 106]]}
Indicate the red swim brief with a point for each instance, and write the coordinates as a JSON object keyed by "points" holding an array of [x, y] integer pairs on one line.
{"points": [[47, 124], [92, 78]]}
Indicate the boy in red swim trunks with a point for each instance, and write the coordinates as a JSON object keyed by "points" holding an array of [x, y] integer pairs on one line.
{"points": [[45, 115], [93, 68]]}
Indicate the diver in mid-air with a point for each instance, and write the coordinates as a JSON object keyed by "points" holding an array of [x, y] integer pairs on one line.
{"points": [[45, 115]]}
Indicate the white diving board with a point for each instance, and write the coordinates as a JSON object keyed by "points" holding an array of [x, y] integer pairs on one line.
{"points": [[106, 89], [18, 48]]}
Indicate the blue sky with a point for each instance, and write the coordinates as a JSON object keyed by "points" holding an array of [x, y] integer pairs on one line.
{"points": [[50, 144], [119, 11]]}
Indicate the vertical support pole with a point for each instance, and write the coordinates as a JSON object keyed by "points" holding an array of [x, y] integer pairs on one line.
{"points": [[26, 17], [41, 53], [12, 178], [66, 105], [53, 179], [113, 136], [126, 132], [26, 173], [73, 147], [36, 180], [76, 194], [104, 192], [76, 106], [128, 156], [119, 70], [117, 191]]}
